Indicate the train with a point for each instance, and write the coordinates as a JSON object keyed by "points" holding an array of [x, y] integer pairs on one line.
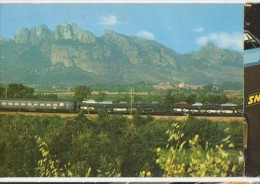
{"points": [[92, 107]]}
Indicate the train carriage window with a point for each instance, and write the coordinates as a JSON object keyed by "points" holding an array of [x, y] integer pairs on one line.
{"points": [[42, 104], [54, 105], [10, 103], [16, 103], [4, 103], [61, 104], [35, 104], [23, 104], [48, 105], [29, 104]]}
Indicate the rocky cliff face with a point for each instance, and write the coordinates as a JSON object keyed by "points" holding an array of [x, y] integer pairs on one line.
{"points": [[63, 31], [33, 36], [73, 32], [70, 55], [214, 55]]}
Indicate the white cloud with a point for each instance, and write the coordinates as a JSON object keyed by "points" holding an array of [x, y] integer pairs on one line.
{"points": [[223, 40], [109, 20], [146, 35], [198, 30]]}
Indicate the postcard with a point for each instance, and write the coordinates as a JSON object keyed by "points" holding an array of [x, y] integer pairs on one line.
{"points": [[130, 91]]}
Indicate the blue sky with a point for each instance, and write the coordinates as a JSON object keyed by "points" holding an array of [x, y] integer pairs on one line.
{"points": [[182, 27]]}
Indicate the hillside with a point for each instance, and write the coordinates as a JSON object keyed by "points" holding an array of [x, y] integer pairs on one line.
{"points": [[69, 55]]}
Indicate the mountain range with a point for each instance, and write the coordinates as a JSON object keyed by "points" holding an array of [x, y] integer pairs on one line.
{"points": [[69, 55]]}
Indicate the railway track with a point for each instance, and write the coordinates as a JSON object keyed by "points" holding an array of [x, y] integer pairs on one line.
{"points": [[161, 117]]}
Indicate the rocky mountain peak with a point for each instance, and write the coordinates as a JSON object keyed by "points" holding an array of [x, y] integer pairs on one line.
{"points": [[33, 36], [113, 35], [213, 54], [22, 36], [67, 31], [40, 33], [110, 32], [63, 31]]}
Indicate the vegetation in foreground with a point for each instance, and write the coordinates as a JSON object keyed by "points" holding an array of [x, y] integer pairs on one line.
{"points": [[115, 146]]}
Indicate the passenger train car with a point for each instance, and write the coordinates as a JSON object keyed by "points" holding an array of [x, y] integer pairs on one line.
{"points": [[37, 105]]}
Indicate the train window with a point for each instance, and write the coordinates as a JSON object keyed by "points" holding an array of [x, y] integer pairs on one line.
{"points": [[29, 104], [42, 104], [35, 104], [61, 104], [10, 103], [54, 105], [16, 104], [48, 105], [4, 103], [23, 104]]}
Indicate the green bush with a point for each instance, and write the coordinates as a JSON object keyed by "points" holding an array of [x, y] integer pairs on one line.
{"points": [[188, 158]]}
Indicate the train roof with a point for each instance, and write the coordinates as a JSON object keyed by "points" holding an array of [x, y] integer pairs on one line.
{"points": [[36, 99]]}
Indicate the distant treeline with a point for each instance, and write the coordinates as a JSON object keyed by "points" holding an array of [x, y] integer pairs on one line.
{"points": [[208, 94]]}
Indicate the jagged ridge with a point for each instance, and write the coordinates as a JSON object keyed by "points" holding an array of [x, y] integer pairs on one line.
{"points": [[70, 55]]}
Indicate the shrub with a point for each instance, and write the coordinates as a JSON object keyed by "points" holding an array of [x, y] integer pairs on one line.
{"points": [[188, 158]]}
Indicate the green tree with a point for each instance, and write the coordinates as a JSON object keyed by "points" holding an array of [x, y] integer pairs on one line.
{"points": [[168, 100], [17, 154], [47, 96], [179, 97], [101, 97], [2, 92], [81, 92], [208, 88], [216, 99], [18, 91], [191, 98]]}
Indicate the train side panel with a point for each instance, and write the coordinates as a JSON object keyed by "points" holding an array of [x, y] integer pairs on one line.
{"points": [[37, 105]]}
